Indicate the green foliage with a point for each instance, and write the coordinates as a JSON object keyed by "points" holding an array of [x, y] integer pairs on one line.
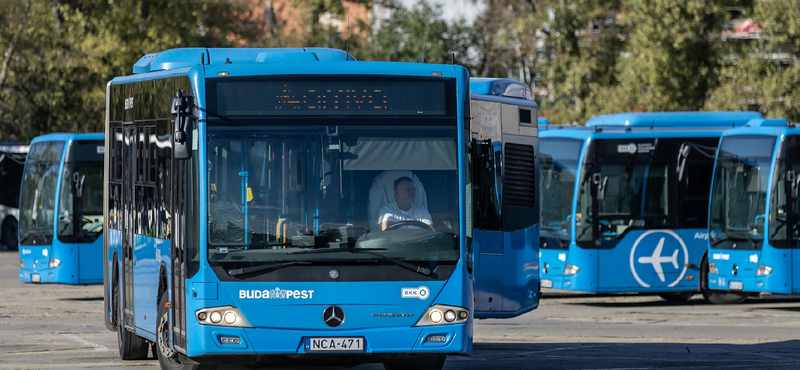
{"points": [[418, 34], [766, 76]]}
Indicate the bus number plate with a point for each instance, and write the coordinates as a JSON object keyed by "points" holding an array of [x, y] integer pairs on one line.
{"points": [[35, 278], [547, 283], [735, 285], [335, 344]]}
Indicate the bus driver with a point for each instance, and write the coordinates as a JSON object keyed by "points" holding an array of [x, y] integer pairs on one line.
{"points": [[403, 208]]}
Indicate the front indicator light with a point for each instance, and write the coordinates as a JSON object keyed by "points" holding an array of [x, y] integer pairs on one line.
{"points": [[763, 270], [436, 316], [54, 262], [440, 314], [571, 270], [216, 317], [230, 317], [712, 268], [222, 316]]}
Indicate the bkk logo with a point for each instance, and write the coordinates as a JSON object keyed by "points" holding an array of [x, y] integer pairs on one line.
{"points": [[276, 293]]}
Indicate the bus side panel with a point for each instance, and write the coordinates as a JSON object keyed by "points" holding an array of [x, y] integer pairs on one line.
{"points": [[91, 261], [114, 249], [488, 249], [521, 270], [145, 285]]}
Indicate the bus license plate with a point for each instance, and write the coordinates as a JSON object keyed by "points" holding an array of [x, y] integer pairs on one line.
{"points": [[337, 344], [35, 278], [547, 283], [735, 285]]}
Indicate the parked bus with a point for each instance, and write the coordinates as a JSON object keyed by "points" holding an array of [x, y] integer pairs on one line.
{"points": [[292, 204], [61, 215], [506, 224], [753, 214], [624, 201], [12, 163]]}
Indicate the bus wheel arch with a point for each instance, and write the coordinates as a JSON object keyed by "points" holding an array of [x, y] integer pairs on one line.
{"points": [[717, 296], [8, 234]]}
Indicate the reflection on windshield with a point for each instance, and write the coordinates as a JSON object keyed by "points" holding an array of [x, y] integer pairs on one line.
{"points": [[37, 200], [559, 164], [738, 200], [80, 209], [275, 190]]}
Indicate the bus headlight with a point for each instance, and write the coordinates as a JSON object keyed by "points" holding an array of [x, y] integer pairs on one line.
{"points": [[763, 270], [440, 314], [571, 269], [712, 268], [221, 316], [55, 262], [21, 263]]}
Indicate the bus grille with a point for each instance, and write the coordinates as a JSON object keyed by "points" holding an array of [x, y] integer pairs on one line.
{"points": [[520, 176]]}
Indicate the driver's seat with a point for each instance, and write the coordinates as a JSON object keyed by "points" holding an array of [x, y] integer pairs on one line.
{"points": [[381, 193]]}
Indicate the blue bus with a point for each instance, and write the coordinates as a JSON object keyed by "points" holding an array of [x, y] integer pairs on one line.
{"points": [[753, 213], [268, 205], [506, 221], [624, 201], [61, 210]]}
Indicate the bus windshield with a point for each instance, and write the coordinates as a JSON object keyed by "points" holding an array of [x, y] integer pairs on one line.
{"points": [[635, 189], [280, 186], [739, 193], [559, 160], [40, 180], [80, 208]]}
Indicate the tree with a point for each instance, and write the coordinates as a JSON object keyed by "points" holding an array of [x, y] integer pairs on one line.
{"points": [[419, 34], [766, 75]]}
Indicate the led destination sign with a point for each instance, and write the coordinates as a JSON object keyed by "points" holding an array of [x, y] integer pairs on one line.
{"points": [[326, 98]]}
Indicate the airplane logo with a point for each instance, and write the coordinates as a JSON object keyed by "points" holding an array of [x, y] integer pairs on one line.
{"points": [[656, 260]]}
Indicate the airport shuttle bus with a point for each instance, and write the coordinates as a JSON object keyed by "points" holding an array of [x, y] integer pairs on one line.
{"points": [[61, 215], [624, 201], [753, 214], [506, 224], [291, 204], [12, 164]]}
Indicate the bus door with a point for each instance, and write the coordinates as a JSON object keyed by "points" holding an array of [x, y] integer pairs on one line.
{"points": [[784, 212], [128, 215]]}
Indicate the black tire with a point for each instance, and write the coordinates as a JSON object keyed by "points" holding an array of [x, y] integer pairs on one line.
{"points": [[677, 297], [8, 234], [167, 357], [432, 363], [717, 296], [131, 346]]}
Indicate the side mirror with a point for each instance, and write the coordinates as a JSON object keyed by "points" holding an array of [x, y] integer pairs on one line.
{"points": [[78, 179], [792, 184], [182, 126], [599, 182]]}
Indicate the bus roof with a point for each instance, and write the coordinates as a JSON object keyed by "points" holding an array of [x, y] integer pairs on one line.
{"points": [[674, 119], [189, 57], [502, 90], [766, 126], [60, 136], [582, 133]]}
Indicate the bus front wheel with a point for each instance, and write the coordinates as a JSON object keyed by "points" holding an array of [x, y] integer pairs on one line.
{"points": [[432, 363], [677, 297], [167, 357], [717, 296]]}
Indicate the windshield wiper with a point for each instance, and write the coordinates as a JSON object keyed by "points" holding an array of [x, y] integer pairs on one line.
{"points": [[271, 266], [419, 269]]}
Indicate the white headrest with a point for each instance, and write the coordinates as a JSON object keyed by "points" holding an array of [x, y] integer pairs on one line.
{"points": [[381, 193]]}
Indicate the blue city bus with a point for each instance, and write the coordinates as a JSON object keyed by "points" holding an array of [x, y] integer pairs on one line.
{"points": [[253, 201], [506, 224], [753, 213], [624, 201], [61, 214]]}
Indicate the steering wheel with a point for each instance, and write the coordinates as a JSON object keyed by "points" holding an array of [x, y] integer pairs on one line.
{"points": [[400, 224]]}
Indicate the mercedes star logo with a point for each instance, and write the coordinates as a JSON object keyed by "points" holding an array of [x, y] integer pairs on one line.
{"points": [[333, 274], [333, 316]]}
